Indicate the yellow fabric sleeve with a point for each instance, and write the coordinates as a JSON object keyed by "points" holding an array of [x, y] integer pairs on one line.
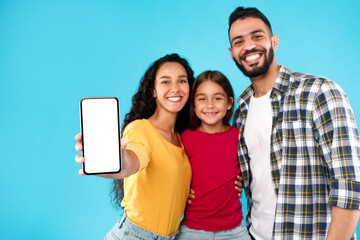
{"points": [[138, 143]]}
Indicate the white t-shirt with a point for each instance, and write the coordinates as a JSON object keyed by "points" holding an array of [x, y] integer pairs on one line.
{"points": [[257, 135]]}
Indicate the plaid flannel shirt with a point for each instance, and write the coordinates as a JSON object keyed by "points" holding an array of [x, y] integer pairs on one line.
{"points": [[315, 154]]}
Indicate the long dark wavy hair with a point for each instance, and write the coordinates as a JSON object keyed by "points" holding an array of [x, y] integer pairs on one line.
{"points": [[144, 105]]}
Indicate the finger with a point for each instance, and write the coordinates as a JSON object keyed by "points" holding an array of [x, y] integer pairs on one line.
{"points": [[188, 201], [238, 184], [79, 147], [239, 178], [79, 159], [78, 137], [124, 142], [192, 191], [192, 196], [81, 172], [239, 195]]}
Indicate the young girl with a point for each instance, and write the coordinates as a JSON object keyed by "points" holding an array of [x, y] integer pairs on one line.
{"points": [[211, 145], [155, 166]]}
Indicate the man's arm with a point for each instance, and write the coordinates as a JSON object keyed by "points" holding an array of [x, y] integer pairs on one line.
{"points": [[338, 138], [343, 223]]}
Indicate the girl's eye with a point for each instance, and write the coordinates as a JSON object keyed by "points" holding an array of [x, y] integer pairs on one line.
{"points": [[164, 82], [183, 81]]}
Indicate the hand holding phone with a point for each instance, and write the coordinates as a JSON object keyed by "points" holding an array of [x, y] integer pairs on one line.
{"points": [[128, 167]]}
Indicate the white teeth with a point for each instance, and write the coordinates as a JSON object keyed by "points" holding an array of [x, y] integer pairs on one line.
{"points": [[174, 99], [209, 114], [252, 57]]}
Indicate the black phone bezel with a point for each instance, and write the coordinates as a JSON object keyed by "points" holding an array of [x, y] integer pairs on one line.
{"points": [[82, 133]]}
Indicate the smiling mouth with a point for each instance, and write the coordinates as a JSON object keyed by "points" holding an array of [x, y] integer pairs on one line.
{"points": [[210, 114], [252, 57], [174, 99]]}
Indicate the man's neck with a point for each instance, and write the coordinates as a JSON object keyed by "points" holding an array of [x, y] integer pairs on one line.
{"points": [[264, 83]]}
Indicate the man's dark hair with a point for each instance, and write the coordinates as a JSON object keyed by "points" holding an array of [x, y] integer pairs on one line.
{"points": [[241, 13]]}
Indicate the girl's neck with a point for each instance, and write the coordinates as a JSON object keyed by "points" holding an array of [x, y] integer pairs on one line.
{"points": [[213, 128]]}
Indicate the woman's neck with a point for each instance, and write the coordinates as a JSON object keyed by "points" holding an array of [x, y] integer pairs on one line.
{"points": [[165, 124], [164, 121]]}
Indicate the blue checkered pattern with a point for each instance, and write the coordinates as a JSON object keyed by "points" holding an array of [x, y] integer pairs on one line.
{"points": [[315, 154]]}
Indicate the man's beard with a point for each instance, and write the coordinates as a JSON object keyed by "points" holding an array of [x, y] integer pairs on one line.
{"points": [[257, 71]]}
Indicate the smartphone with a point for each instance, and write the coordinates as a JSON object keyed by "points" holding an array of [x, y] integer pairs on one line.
{"points": [[100, 129]]}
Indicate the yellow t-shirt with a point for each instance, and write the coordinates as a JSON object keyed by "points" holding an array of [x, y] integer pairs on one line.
{"points": [[155, 196]]}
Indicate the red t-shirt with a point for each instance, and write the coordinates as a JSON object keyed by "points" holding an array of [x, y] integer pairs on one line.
{"points": [[215, 165]]}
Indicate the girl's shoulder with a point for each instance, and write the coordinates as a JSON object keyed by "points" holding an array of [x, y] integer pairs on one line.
{"points": [[187, 133], [233, 129]]}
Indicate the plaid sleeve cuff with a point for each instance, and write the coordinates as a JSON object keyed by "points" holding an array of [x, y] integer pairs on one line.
{"points": [[345, 194]]}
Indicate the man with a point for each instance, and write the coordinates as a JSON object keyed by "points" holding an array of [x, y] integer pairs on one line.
{"points": [[299, 147]]}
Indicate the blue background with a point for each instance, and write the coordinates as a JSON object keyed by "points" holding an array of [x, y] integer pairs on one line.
{"points": [[53, 53]]}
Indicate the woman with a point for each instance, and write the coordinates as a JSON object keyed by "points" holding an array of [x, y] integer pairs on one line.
{"points": [[156, 170]]}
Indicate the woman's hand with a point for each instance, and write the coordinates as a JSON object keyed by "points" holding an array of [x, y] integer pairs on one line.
{"points": [[79, 147], [129, 161]]}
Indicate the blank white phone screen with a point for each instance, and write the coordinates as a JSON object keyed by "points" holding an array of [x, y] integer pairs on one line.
{"points": [[101, 135]]}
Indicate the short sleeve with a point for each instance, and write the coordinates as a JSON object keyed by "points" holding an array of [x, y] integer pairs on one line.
{"points": [[139, 141]]}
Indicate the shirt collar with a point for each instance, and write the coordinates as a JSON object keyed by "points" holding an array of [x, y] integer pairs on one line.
{"points": [[282, 82]]}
